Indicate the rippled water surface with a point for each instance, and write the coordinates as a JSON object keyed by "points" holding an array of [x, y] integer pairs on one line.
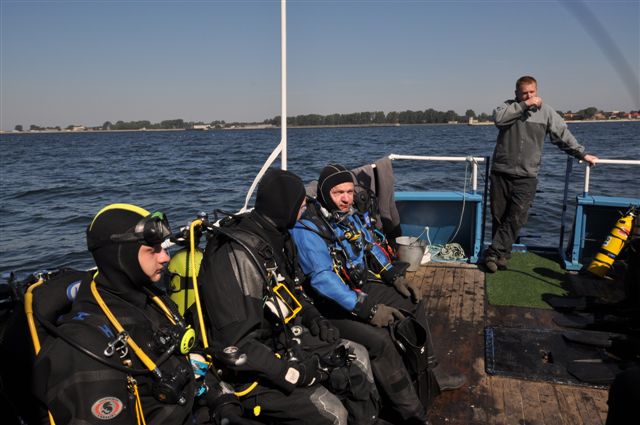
{"points": [[53, 184]]}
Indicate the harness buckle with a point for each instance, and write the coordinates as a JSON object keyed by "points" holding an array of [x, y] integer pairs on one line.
{"points": [[119, 344]]}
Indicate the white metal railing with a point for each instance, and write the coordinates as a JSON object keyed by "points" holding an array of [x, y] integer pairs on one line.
{"points": [[587, 171], [474, 160]]}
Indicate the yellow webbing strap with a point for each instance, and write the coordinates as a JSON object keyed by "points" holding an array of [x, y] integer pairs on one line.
{"points": [[133, 387], [338, 272], [28, 309], [141, 354], [164, 308], [247, 390], [196, 292]]}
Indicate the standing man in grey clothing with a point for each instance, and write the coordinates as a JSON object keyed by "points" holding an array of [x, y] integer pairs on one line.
{"points": [[523, 123]]}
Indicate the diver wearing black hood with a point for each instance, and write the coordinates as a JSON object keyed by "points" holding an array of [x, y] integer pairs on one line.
{"points": [[250, 290], [141, 371], [356, 285]]}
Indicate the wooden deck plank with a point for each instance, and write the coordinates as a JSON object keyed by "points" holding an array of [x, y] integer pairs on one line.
{"points": [[587, 407], [468, 296], [568, 405], [551, 409], [497, 399], [531, 404], [457, 297], [513, 407]]}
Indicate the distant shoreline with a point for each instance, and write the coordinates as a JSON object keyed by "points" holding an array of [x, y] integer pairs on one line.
{"points": [[263, 127]]}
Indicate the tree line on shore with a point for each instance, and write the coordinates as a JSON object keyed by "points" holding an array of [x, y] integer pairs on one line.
{"points": [[428, 116]]}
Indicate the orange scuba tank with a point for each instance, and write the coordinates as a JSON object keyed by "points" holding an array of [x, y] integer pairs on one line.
{"points": [[613, 244]]}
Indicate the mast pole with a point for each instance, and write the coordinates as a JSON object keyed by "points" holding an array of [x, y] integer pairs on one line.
{"points": [[283, 82]]}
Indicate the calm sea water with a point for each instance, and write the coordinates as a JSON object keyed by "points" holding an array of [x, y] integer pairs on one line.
{"points": [[53, 184]]}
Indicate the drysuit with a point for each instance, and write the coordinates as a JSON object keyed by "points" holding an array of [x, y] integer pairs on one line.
{"points": [[350, 278], [349, 301]]}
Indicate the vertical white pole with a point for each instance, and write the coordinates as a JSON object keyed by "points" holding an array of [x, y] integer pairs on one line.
{"points": [[474, 169], [587, 174], [283, 83]]}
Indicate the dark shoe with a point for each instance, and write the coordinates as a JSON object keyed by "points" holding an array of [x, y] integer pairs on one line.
{"points": [[502, 263], [490, 265], [448, 381]]}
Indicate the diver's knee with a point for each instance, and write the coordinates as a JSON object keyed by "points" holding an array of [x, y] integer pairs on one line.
{"points": [[329, 406], [362, 360]]}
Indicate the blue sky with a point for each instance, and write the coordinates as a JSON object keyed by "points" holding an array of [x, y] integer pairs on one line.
{"points": [[85, 62]]}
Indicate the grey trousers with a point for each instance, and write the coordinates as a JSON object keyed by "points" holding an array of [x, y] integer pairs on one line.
{"points": [[511, 198]]}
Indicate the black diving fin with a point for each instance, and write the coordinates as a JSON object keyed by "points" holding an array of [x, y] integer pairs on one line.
{"points": [[594, 371], [597, 339], [568, 303]]}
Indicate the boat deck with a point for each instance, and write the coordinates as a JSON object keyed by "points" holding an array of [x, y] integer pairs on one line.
{"points": [[458, 314]]}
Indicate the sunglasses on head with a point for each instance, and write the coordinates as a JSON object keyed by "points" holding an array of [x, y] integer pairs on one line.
{"points": [[151, 230]]}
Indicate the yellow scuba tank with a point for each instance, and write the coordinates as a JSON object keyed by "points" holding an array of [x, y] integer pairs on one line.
{"points": [[612, 245], [181, 278]]}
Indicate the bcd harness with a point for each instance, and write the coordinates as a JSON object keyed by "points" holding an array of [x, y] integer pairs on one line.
{"points": [[277, 297], [344, 232]]}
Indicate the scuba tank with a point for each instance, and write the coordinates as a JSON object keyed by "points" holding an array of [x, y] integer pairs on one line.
{"points": [[613, 244], [181, 283]]}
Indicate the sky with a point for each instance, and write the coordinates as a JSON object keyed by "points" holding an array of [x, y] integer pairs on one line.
{"points": [[87, 62]]}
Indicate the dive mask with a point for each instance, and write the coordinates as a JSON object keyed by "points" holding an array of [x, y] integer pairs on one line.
{"points": [[152, 230]]}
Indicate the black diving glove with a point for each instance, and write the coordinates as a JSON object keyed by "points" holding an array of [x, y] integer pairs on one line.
{"points": [[408, 288], [223, 408], [322, 328], [309, 371], [383, 315], [318, 325]]}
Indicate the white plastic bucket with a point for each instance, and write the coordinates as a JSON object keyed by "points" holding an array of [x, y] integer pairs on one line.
{"points": [[411, 250]]}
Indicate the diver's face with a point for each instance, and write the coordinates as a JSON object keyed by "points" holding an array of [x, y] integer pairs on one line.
{"points": [[342, 195], [152, 261], [302, 209], [526, 91]]}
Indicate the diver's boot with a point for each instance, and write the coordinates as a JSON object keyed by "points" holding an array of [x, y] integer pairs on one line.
{"points": [[448, 381], [491, 264], [394, 381]]}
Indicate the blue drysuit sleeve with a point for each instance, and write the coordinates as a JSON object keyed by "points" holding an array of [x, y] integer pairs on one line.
{"points": [[316, 263]]}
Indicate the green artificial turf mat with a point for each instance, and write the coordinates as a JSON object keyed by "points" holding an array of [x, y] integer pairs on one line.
{"points": [[528, 276]]}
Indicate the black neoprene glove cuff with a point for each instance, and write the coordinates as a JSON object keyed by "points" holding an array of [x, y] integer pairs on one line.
{"points": [[389, 275], [364, 309], [395, 269]]}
